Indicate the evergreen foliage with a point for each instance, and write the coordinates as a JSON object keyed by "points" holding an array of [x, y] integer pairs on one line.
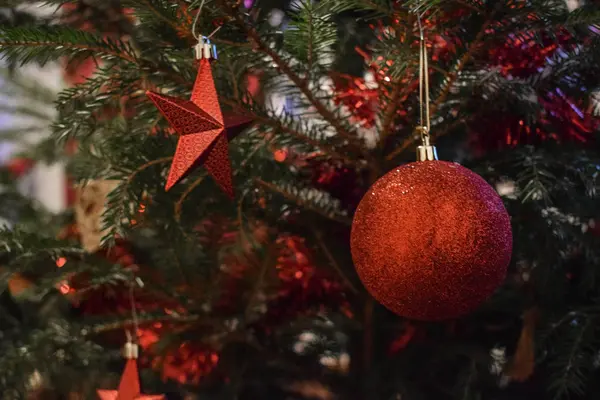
{"points": [[181, 240]]}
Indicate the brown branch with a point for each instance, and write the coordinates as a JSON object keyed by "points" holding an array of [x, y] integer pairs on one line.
{"points": [[300, 83], [333, 262], [452, 76], [290, 131], [450, 127], [147, 165], [185, 194], [409, 141], [122, 56], [301, 203], [141, 321]]}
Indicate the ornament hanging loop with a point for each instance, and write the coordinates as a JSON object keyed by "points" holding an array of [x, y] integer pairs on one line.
{"points": [[131, 348], [204, 49], [425, 152]]}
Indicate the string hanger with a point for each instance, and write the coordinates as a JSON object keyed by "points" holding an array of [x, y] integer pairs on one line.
{"points": [[425, 152], [131, 348], [423, 79], [197, 36], [204, 49]]}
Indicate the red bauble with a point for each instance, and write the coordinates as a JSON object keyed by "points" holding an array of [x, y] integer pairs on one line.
{"points": [[431, 240]]}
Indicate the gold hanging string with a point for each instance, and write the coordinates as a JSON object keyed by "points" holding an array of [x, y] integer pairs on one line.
{"points": [[425, 152], [424, 113], [132, 338]]}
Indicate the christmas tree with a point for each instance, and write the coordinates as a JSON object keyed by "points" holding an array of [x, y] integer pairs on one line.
{"points": [[246, 289]]}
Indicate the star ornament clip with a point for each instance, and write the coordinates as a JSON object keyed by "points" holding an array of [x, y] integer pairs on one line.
{"points": [[129, 387], [204, 132]]}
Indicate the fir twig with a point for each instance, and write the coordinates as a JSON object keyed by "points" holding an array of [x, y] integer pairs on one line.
{"points": [[141, 320], [278, 126], [301, 203], [186, 193], [142, 167], [300, 83], [462, 62], [43, 44], [333, 262]]}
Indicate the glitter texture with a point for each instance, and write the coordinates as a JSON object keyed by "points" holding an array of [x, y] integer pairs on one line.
{"points": [[204, 132], [431, 240]]}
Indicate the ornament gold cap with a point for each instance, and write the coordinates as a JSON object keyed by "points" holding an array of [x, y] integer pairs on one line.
{"points": [[204, 49], [131, 351], [426, 152]]}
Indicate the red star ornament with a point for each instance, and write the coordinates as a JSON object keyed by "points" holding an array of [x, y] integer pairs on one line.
{"points": [[129, 388], [204, 133]]}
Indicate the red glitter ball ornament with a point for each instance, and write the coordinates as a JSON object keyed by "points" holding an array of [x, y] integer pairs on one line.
{"points": [[431, 240]]}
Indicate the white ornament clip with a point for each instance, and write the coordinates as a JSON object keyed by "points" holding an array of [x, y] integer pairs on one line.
{"points": [[425, 152], [131, 351], [204, 49]]}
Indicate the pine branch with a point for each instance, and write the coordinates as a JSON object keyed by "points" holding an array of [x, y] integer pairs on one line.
{"points": [[119, 202], [300, 83], [577, 360], [304, 201], [44, 44], [25, 250], [142, 320], [535, 179], [311, 35], [82, 109], [289, 128]]}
